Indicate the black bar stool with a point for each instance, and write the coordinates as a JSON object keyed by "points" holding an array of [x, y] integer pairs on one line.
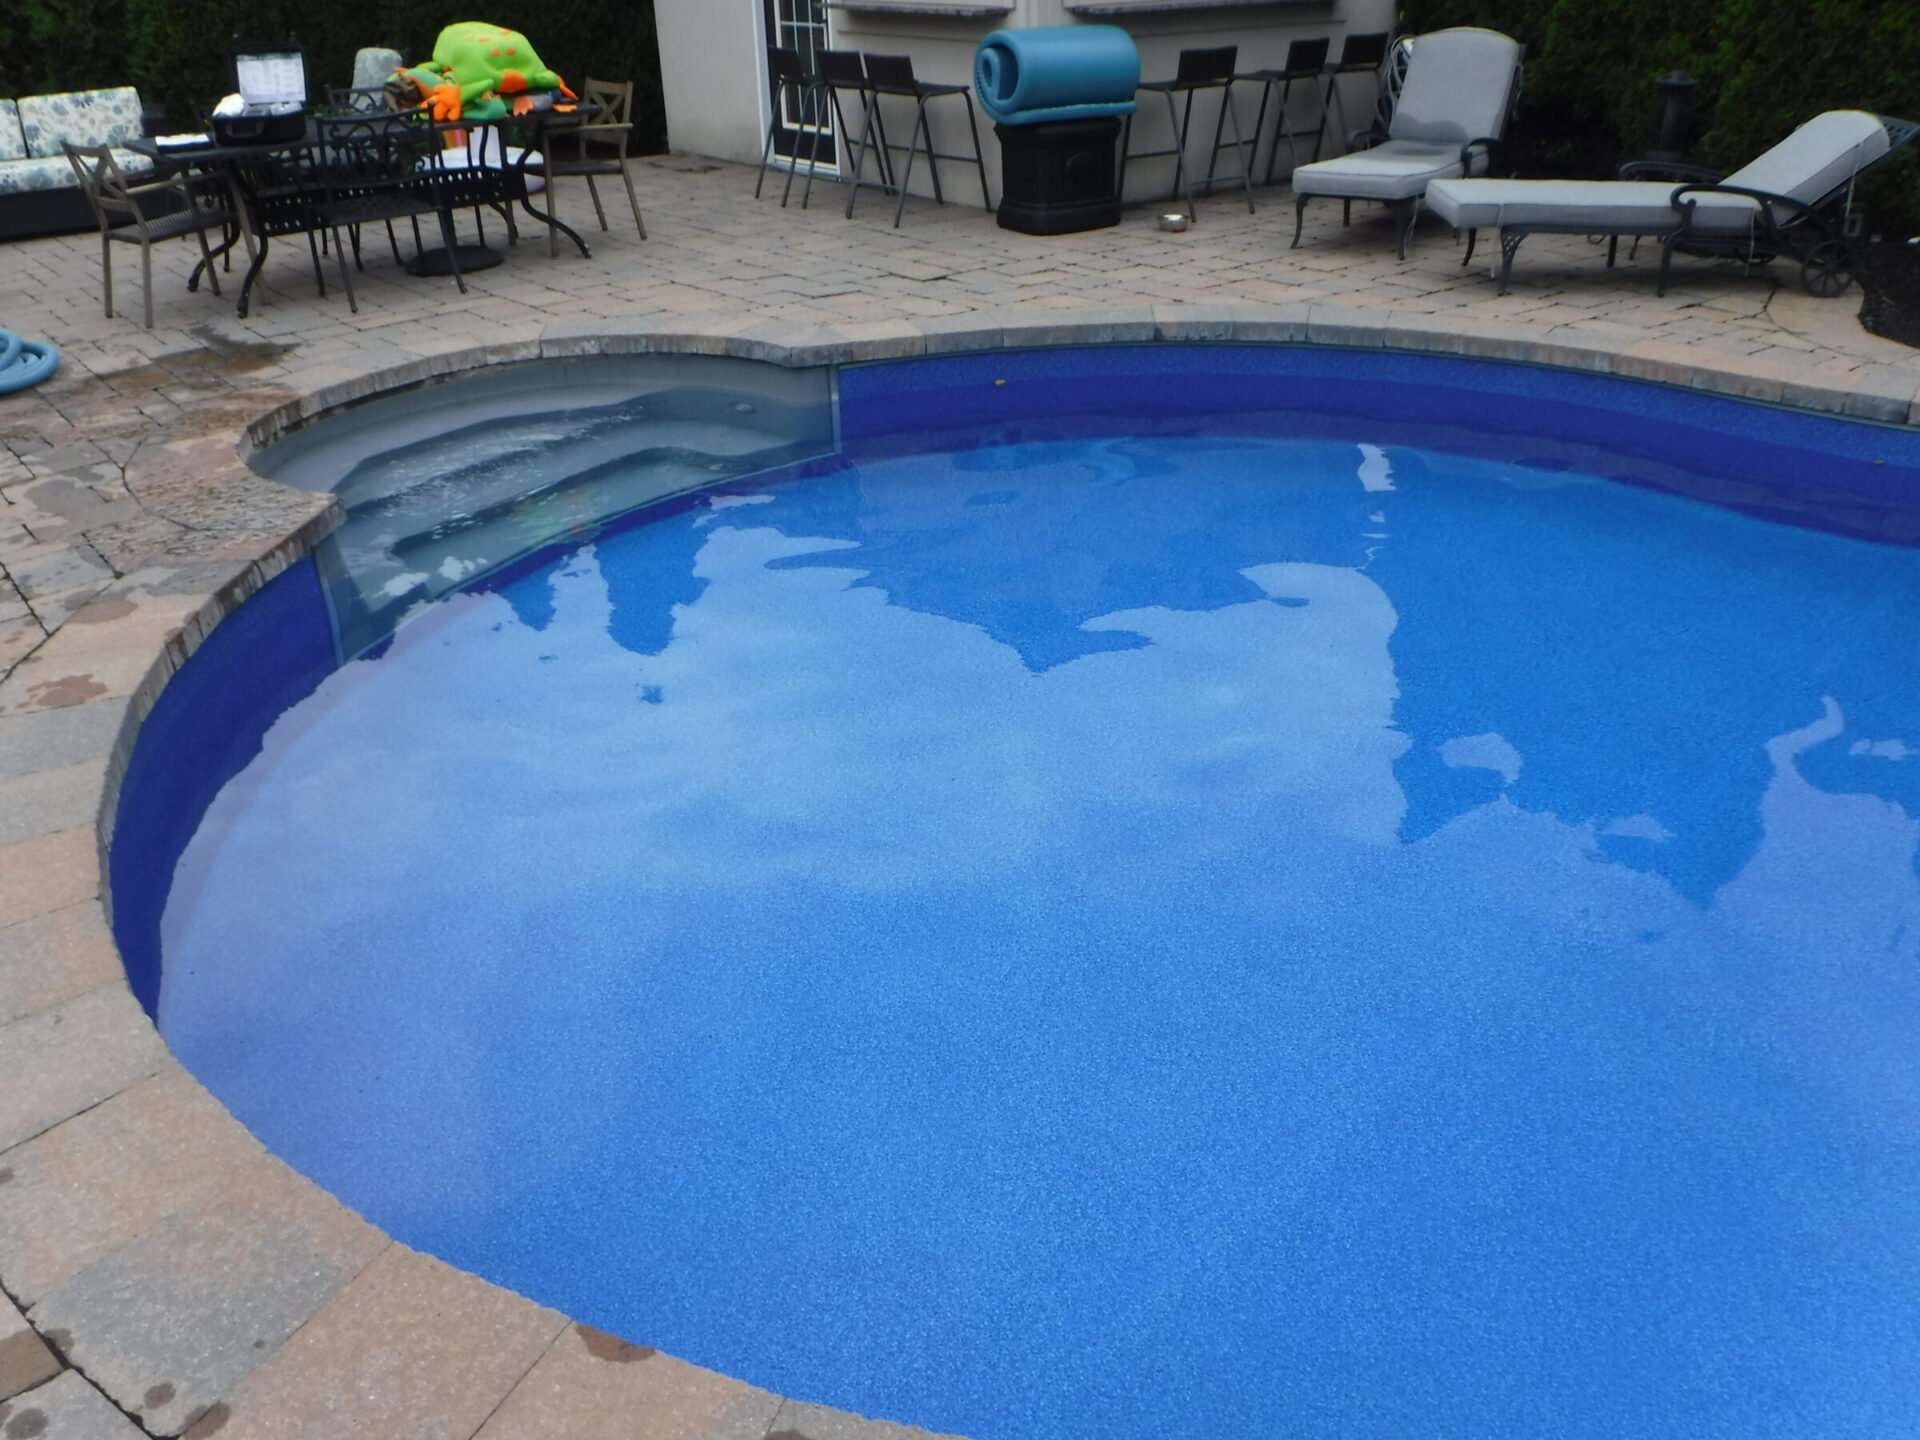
{"points": [[791, 79], [1359, 54], [844, 70], [893, 75], [1210, 69], [1307, 63]]}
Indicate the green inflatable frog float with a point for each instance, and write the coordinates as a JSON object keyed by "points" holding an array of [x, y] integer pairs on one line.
{"points": [[478, 72]]}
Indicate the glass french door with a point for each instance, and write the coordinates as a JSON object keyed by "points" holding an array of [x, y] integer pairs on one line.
{"points": [[803, 127]]}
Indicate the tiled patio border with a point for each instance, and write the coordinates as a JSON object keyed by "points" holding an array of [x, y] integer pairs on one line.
{"points": [[174, 1277]]}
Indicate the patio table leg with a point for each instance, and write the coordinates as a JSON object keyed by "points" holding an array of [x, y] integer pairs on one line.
{"points": [[552, 224], [253, 274], [229, 240]]}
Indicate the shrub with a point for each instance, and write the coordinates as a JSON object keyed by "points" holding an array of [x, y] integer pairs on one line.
{"points": [[175, 50], [54, 45]]}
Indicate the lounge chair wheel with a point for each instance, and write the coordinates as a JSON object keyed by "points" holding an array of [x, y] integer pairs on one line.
{"points": [[1827, 269]]}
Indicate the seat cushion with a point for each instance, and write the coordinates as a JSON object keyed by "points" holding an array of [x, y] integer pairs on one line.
{"points": [[1818, 158], [1397, 170], [13, 143], [19, 176], [86, 117], [1601, 207], [1459, 87]]}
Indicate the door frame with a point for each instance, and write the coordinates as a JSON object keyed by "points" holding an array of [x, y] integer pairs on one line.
{"points": [[794, 134]]}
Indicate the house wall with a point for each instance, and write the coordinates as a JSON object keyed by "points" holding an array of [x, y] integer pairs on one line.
{"points": [[713, 76], [713, 69]]}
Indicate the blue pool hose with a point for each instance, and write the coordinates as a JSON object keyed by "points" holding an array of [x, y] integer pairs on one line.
{"points": [[1056, 72], [24, 362]]}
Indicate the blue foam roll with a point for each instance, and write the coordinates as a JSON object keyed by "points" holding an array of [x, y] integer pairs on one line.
{"points": [[1025, 76]]}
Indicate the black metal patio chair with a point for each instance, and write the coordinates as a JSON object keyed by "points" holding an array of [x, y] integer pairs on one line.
{"points": [[1362, 54], [844, 72], [377, 169], [1202, 69], [892, 75], [792, 81], [1306, 64]]}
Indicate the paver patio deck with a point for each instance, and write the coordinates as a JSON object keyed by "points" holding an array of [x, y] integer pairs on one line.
{"points": [[172, 1276]]}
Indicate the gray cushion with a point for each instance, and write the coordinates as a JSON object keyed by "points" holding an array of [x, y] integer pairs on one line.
{"points": [[13, 143], [373, 66], [1601, 207], [18, 176], [1397, 170], [86, 117], [1817, 159], [1459, 87]]}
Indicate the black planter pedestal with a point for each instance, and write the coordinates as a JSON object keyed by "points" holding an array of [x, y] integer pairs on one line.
{"points": [[1059, 176]]}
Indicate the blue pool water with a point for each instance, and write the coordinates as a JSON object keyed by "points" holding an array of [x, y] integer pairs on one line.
{"points": [[1129, 934]]}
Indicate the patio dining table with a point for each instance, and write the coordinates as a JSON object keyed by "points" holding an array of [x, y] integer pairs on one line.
{"points": [[276, 193]]}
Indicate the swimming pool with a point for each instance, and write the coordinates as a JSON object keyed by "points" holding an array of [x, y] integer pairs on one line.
{"points": [[1137, 893]]}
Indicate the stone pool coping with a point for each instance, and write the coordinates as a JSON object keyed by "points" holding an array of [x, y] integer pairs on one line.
{"points": [[163, 1274]]}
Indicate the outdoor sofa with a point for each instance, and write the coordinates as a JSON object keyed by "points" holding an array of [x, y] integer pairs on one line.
{"points": [[39, 192], [1779, 203]]}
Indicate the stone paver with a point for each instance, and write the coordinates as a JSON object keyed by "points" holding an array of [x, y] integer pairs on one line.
{"points": [[25, 1360], [80, 1191], [71, 1056], [48, 872], [42, 802], [44, 741], [53, 957], [796, 1420], [193, 1279], [172, 1321], [594, 1386], [65, 1408], [411, 1348]]}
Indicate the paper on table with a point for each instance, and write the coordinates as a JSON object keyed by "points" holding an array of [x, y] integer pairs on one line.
{"points": [[167, 141]]}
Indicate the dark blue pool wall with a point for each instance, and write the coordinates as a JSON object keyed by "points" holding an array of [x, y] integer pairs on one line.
{"points": [[1846, 476], [268, 655]]}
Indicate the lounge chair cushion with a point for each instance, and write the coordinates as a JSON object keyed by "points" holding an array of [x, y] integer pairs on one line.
{"points": [[13, 143], [1817, 159], [1459, 87], [86, 117], [19, 176], [1602, 207], [1397, 170]]}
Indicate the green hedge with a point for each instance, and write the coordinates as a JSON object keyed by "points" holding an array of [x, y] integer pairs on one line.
{"points": [[1763, 66], [174, 50], [52, 45]]}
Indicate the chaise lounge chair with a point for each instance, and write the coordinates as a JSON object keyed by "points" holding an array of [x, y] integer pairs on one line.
{"points": [[1779, 204], [1452, 111]]}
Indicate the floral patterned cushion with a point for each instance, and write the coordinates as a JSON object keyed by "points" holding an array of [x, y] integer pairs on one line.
{"points": [[18, 176], [86, 117], [13, 145]]}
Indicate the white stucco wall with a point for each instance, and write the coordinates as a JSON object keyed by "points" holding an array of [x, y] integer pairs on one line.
{"points": [[713, 76], [713, 64]]}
